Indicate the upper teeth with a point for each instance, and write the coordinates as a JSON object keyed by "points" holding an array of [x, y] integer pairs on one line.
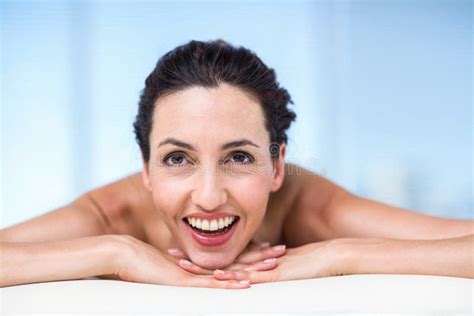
{"points": [[214, 224]]}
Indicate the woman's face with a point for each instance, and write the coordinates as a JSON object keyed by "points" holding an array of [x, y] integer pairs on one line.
{"points": [[210, 159]]}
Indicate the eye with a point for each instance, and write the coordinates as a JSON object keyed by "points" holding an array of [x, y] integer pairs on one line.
{"points": [[241, 157], [175, 160]]}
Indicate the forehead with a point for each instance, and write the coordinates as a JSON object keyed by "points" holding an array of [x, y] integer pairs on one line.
{"points": [[218, 113]]}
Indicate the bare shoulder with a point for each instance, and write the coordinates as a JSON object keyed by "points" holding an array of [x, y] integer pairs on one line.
{"points": [[115, 208], [304, 222], [125, 203], [322, 210]]}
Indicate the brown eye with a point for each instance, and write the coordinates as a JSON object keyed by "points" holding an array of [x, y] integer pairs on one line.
{"points": [[241, 158], [175, 160]]}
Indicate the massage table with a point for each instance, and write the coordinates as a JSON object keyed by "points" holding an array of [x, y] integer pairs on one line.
{"points": [[355, 294]]}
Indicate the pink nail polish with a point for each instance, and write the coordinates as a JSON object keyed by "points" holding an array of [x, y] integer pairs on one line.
{"points": [[220, 271], [271, 260], [174, 251], [186, 262]]}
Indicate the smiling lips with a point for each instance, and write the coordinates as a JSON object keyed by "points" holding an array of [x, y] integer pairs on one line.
{"points": [[211, 231], [211, 225]]}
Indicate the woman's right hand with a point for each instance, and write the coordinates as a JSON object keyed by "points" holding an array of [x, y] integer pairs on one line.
{"points": [[140, 262]]}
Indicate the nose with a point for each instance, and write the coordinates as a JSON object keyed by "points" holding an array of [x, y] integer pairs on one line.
{"points": [[209, 192]]}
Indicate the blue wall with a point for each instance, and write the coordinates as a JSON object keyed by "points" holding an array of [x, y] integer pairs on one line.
{"points": [[382, 89]]}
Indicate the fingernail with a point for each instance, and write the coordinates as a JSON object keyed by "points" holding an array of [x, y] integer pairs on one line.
{"points": [[186, 262], [245, 282], [264, 244], [174, 251], [220, 271], [280, 247], [271, 260]]}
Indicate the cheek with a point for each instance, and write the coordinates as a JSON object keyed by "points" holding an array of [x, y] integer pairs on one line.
{"points": [[252, 193], [167, 194]]}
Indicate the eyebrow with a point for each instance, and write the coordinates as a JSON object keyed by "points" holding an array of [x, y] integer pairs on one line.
{"points": [[233, 144]]}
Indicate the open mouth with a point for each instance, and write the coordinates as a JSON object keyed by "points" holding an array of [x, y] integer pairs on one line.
{"points": [[215, 237], [213, 232]]}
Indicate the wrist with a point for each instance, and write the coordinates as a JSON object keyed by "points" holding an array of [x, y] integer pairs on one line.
{"points": [[379, 255], [343, 252], [117, 250]]}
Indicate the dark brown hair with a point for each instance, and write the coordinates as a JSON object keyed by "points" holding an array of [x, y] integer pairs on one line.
{"points": [[207, 64]]}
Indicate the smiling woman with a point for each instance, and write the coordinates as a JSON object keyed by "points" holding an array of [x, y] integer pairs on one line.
{"points": [[207, 118], [215, 193], [227, 172]]}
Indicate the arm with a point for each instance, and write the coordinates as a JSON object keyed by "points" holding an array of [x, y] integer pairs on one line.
{"points": [[110, 209], [28, 262], [324, 210], [80, 218], [54, 246], [448, 257], [353, 216]]}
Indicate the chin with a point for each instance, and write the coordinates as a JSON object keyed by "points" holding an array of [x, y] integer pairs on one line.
{"points": [[212, 261]]}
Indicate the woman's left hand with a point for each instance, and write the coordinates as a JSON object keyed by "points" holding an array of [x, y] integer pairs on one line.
{"points": [[306, 262]]}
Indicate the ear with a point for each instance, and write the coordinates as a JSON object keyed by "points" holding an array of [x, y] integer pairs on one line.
{"points": [[146, 175], [279, 170]]}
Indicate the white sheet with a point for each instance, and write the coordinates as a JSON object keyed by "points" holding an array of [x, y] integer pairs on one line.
{"points": [[414, 294]]}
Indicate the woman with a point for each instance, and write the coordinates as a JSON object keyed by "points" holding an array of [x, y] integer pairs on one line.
{"points": [[215, 193]]}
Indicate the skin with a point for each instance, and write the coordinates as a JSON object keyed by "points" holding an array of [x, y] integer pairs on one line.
{"points": [[206, 178], [327, 230]]}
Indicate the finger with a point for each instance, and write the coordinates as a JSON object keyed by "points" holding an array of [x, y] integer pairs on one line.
{"points": [[261, 254], [256, 277], [191, 267], [172, 259], [259, 245], [264, 265], [235, 266], [175, 252], [267, 264], [253, 276], [210, 281]]}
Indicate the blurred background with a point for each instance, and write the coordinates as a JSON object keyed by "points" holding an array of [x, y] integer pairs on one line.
{"points": [[382, 89]]}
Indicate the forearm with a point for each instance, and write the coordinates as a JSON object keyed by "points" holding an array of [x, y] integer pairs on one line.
{"points": [[447, 257], [30, 262]]}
